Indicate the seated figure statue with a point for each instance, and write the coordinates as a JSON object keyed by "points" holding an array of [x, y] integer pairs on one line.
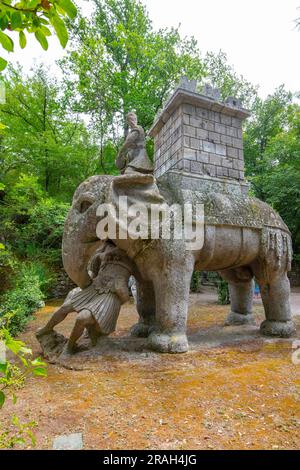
{"points": [[98, 305], [132, 157]]}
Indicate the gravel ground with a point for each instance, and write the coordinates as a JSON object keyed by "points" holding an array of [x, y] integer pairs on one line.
{"points": [[233, 390]]}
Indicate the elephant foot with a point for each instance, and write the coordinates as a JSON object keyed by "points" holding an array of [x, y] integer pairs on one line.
{"points": [[141, 330], [176, 343], [235, 319], [278, 328]]}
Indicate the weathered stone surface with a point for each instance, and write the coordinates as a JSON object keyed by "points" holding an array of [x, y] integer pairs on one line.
{"points": [[243, 237], [52, 345], [233, 102], [214, 132], [62, 286], [211, 92], [70, 442], [132, 156]]}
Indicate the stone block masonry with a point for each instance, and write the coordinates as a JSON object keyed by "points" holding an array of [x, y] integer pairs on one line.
{"points": [[199, 135]]}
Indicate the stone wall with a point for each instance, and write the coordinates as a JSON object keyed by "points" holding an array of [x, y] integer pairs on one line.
{"points": [[63, 286], [200, 135], [201, 142]]}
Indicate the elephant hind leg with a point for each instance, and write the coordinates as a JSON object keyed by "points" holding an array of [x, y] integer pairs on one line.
{"points": [[275, 292], [240, 282], [276, 299]]}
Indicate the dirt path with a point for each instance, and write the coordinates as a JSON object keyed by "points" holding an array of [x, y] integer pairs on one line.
{"points": [[233, 390], [209, 295]]}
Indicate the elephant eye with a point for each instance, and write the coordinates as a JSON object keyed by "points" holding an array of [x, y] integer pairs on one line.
{"points": [[84, 206]]}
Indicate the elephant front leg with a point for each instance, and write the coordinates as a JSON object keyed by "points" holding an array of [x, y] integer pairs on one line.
{"points": [[172, 295], [241, 296], [146, 309]]}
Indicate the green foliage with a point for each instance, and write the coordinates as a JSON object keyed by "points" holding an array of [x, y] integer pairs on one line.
{"points": [[223, 76], [118, 62], [272, 154], [34, 17], [32, 223], [223, 292], [7, 266], [196, 281], [41, 237], [26, 295], [13, 374], [41, 138]]}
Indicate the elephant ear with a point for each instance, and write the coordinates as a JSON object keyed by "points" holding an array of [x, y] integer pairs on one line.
{"points": [[80, 240]]}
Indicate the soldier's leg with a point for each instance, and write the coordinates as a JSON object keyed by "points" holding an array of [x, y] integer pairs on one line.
{"points": [[84, 320], [59, 315], [57, 318]]}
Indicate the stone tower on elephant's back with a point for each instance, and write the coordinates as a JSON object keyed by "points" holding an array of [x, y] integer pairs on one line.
{"points": [[198, 140]]}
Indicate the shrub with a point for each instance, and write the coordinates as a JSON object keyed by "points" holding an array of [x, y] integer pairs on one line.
{"points": [[13, 375], [223, 292], [41, 237], [7, 265], [196, 281], [26, 295]]}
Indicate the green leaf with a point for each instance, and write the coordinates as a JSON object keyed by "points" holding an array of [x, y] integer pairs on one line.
{"points": [[13, 345], [25, 350], [2, 399], [44, 21], [24, 361], [4, 20], [22, 39], [6, 42], [3, 367], [46, 30], [40, 372], [19, 440], [3, 64], [15, 420], [38, 362], [14, 399], [32, 4], [32, 438], [60, 29], [16, 20], [42, 39], [69, 8]]}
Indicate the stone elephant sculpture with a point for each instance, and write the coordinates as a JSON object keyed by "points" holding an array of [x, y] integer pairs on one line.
{"points": [[243, 238]]}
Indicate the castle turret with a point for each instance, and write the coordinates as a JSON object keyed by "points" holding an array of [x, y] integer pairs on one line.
{"points": [[199, 137]]}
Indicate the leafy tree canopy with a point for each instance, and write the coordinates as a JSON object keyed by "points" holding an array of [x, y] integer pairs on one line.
{"points": [[118, 62], [42, 137], [38, 17]]}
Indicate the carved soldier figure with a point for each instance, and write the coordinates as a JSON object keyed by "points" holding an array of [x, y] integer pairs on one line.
{"points": [[132, 157], [98, 305]]}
